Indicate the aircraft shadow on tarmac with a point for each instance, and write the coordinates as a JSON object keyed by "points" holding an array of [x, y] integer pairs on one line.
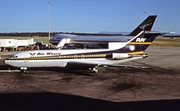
{"points": [[46, 101], [150, 70], [78, 70]]}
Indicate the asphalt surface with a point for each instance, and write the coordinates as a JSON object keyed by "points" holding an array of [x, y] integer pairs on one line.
{"points": [[156, 88]]}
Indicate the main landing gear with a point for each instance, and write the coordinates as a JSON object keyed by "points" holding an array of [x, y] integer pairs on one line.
{"points": [[23, 69], [94, 69]]}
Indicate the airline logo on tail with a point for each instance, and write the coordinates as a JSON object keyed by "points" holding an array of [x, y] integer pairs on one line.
{"points": [[145, 24], [140, 39]]}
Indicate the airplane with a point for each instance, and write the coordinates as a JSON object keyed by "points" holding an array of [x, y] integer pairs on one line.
{"points": [[120, 53], [171, 35], [61, 39]]}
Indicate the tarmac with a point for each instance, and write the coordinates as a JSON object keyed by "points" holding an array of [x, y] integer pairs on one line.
{"points": [[156, 88]]}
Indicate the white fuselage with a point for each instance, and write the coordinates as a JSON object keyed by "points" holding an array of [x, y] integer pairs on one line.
{"points": [[60, 58]]}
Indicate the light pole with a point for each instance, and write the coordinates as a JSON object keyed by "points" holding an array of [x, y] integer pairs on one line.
{"points": [[49, 3]]}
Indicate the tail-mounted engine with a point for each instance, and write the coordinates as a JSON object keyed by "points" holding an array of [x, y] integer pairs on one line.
{"points": [[120, 55]]}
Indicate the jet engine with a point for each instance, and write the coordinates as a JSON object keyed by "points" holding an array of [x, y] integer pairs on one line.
{"points": [[120, 55]]}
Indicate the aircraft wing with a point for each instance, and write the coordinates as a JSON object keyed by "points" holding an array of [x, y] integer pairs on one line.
{"points": [[81, 63], [86, 64]]}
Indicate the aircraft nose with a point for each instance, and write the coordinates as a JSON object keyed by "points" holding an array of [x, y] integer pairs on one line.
{"points": [[4, 61]]}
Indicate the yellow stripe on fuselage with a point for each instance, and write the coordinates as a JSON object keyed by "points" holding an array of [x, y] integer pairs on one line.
{"points": [[135, 53], [140, 43]]}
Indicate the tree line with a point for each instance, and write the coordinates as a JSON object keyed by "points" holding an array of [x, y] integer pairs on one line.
{"points": [[46, 34]]}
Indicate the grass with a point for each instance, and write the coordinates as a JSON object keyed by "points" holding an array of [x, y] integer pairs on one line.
{"points": [[166, 42], [157, 42]]}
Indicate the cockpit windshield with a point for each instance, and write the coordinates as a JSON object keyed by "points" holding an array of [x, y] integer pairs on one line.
{"points": [[13, 57]]}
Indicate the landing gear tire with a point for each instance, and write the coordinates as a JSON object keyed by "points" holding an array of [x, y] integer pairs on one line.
{"points": [[94, 69], [23, 69]]}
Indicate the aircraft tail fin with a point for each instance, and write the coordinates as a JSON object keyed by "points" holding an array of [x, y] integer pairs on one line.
{"points": [[139, 43], [146, 25]]}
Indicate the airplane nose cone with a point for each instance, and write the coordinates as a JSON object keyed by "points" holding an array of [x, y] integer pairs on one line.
{"points": [[5, 61]]}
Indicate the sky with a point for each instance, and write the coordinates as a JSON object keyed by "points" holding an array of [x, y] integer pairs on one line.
{"points": [[87, 16]]}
